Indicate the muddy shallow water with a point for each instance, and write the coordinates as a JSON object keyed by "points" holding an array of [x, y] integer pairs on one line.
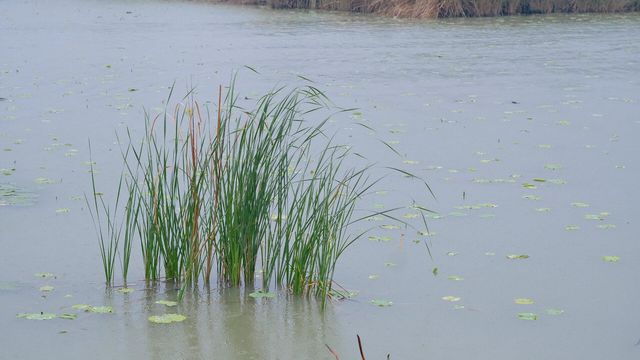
{"points": [[484, 109]]}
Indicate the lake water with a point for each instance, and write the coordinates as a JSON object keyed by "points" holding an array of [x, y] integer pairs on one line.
{"points": [[484, 109]]}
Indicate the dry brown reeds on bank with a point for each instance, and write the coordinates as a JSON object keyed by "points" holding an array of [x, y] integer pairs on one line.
{"points": [[455, 8]]}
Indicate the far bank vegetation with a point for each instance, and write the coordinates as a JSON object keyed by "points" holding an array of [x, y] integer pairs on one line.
{"points": [[455, 8]]}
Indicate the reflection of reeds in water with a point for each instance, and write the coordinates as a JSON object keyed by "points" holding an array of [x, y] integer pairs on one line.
{"points": [[457, 8], [247, 191]]}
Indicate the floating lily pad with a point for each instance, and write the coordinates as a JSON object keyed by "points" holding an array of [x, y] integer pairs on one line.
{"points": [[611, 258], [558, 181], [572, 227], [527, 316], [455, 278], [126, 290], [410, 216], [168, 302], [44, 275], [37, 316], [517, 256], [389, 264], [101, 309], [411, 162], [62, 210], [523, 301], [93, 309], [373, 277], [167, 318], [44, 181], [532, 197], [68, 316], [543, 209], [343, 294], [380, 238], [579, 204], [539, 180], [11, 195], [553, 167], [46, 288], [450, 298], [381, 302], [529, 186], [452, 253], [390, 227], [554, 312], [606, 226], [262, 294]]}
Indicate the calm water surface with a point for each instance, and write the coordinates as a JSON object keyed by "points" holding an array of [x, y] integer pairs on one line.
{"points": [[479, 107]]}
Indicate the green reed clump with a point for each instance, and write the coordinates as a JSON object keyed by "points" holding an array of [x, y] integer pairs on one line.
{"points": [[241, 192]]}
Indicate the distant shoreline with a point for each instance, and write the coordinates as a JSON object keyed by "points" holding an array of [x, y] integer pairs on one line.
{"points": [[454, 8]]}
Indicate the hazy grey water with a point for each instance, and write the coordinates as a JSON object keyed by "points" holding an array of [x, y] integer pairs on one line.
{"points": [[481, 104]]}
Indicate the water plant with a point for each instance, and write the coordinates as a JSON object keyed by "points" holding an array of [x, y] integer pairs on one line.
{"points": [[235, 193]]}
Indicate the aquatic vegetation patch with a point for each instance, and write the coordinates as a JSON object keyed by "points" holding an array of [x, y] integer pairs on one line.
{"points": [[262, 294], [611, 258], [523, 301], [166, 318], [37, 316], [11, 195], [93, 309], [168, 303], [527, 316], [236, 192], [381, 302]]}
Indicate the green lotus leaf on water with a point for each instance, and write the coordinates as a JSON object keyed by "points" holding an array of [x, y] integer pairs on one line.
{"points": [[167, 303], [543, 209], [46, 288], [373, 277], [380, 238], [167, 318], [343, 294], [126, 290], [558, 181], [517, 256], [554, 312], [93, 309], [390, 227], [553, 167], [44, 275], [43, 181], [37, 316], [611, 258], [529, 186], [68, 316], [455, 278], [101, 309], [532, 197], [63, 210], [451, 298], [381, 302], [527, 316], [262, 294], [523, 301], [606, 226], [579, 204], [11, 195], [572, 227]]}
